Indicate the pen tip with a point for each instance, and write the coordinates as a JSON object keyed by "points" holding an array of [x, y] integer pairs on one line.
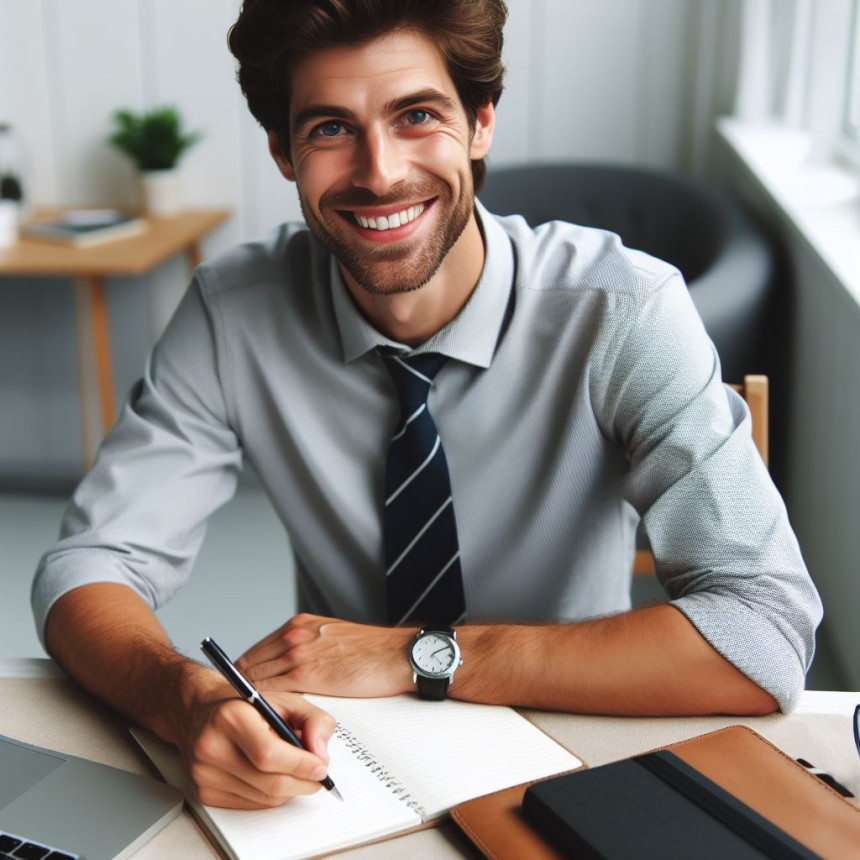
{"points": [[336, 793]]}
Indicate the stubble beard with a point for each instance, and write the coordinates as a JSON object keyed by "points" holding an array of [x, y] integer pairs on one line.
{"points": [[387, 270]]}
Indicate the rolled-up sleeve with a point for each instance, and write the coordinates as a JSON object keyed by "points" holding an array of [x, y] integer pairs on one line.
{"points": [[724, 549], [139, 516]]}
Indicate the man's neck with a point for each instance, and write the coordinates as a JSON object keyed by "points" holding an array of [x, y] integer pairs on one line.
{"points": [[414, 317]]}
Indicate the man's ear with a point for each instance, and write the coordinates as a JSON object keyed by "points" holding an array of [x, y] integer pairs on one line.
{"points": [[277, 153], [485, 124]]}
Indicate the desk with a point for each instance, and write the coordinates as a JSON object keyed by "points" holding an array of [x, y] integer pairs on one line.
{"points": [[90, 267], [41, 706]]}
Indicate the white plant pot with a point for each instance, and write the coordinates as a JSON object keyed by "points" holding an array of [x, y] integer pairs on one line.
{"points": [[161, 192], [10, 212]]}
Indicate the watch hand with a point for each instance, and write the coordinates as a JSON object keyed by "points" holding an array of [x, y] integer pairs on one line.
{"points": [[441, 650]]}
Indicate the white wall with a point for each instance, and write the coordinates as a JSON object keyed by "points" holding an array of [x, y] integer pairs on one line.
{"points": [[610, 80]]}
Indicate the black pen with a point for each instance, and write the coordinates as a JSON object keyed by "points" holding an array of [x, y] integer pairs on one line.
{"points": [[250, 694], [826, 778]]}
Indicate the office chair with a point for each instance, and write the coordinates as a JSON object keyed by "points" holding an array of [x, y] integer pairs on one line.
{"points": [[726, 259]]}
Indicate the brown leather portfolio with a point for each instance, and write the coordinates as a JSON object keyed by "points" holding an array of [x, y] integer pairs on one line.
{"points": [[738, 760]]}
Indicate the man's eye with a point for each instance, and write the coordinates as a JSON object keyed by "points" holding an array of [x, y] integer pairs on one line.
{"points": [[328, 129], [417, 117]]}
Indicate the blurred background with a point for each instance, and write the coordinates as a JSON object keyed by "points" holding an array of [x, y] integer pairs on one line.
{"points": [[758, 97]]}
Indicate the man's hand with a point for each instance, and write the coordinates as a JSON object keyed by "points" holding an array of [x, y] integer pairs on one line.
{"points": [[236, 760], [107, 638], [331, 657]]}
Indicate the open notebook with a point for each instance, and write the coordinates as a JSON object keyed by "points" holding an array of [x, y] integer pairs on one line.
{"points": [[398, 762]]}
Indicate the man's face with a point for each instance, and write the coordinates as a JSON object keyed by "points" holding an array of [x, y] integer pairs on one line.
{"points": [[380, 149]]}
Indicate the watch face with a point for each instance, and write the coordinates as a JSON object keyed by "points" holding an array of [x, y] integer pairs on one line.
{"points": [[434, 655]]}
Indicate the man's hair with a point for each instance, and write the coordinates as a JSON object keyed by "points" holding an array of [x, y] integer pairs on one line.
{"points": [[271, 36]]}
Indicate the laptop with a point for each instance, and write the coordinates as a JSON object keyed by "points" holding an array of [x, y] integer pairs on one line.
{"points": [[55, 806]]}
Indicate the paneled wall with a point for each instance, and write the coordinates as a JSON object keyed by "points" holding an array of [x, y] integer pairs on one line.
{"points": [[612, 80]]}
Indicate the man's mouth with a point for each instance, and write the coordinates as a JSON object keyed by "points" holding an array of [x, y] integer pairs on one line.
{"points": [[387, 222]]}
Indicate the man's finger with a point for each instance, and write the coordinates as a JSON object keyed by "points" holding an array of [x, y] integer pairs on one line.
{"points": [[259, 672], [304, 620], [258, 655], [316, 736], [274, 636], [255, 760], [269, 790], [242, 743], [316, 725], [279, 684], [216, 797], [268, 754]]}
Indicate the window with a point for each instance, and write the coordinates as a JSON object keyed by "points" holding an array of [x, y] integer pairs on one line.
{"points": [[852, 102]]}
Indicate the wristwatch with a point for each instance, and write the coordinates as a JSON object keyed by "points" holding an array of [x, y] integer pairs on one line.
{"points": [[435, 656]]}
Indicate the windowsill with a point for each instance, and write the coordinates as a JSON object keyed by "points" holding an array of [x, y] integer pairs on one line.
{"points": [[819, 199]]}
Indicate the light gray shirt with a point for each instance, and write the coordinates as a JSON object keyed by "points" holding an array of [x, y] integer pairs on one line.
{"points": [[582, 392]]}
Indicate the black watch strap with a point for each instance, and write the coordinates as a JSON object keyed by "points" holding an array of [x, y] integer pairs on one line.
{"points": [[435, 689], [432, 688]]}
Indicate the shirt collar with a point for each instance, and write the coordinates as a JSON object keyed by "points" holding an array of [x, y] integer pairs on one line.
{"points": [[472, 335]]}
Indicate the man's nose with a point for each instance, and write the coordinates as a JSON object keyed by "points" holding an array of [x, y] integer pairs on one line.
{"points": [[381, 163]]}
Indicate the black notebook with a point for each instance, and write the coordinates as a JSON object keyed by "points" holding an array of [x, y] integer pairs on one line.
{"points": [[652, 806]]}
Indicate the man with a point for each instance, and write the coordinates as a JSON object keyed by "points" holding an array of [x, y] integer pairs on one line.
{"points": [[577, 385]]}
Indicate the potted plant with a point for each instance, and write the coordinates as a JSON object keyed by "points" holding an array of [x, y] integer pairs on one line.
{"points": [[10, 188], [10, 208], [11, 191], [155, 142]]}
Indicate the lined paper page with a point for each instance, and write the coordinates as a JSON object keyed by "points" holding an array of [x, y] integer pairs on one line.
{"points": [[305, 826], [447, 752]]}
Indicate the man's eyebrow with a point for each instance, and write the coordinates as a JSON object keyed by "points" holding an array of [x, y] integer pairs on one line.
{"points": [[428, 96], [314, 112]]}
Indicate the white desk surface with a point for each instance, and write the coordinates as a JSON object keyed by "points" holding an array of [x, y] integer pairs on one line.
{"points": [[819, 731]]}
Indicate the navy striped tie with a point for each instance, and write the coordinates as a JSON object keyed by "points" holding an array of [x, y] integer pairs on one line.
{"points": [[424, 581]]}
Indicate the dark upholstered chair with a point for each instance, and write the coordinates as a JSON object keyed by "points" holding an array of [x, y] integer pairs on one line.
{"points": [[725, 258]]}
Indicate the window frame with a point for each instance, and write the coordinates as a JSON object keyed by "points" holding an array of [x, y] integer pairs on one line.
{"points": [[848, 145]]}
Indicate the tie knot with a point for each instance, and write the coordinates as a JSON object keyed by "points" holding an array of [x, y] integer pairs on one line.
{"points": [[412, 375]]}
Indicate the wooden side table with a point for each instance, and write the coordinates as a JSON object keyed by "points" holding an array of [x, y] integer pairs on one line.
{"points": [[90, 267]]}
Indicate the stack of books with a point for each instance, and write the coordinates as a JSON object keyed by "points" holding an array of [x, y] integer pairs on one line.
{"points": [[83, 227]]}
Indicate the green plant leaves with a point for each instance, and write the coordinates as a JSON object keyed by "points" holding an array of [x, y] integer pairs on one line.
{"points": [[10, 188], [153, 140]]}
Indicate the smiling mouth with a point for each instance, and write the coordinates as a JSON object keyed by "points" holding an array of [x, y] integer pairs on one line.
{"points": [[382, 223]]}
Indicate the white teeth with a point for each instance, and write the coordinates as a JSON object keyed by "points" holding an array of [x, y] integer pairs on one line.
{"points": [[398, 219]]}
